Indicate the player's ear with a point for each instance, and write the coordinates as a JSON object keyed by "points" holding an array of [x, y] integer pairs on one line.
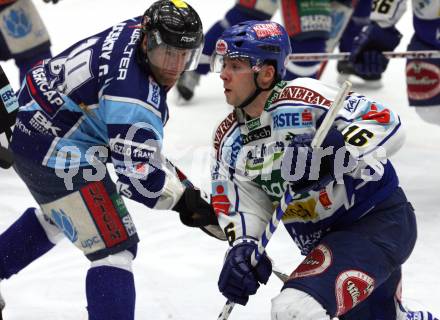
{"points": [[267, 75]]}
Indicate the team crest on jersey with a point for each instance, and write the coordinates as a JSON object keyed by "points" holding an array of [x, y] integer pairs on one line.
{"points": [[423, 80], [352, 287], [316, 262]]}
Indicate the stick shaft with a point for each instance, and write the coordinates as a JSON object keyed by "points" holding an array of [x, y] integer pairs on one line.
{"points": [[423, 54]]}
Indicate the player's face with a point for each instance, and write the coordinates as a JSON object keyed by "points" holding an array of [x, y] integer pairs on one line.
{"points": [[238, 80], [168, 63]]}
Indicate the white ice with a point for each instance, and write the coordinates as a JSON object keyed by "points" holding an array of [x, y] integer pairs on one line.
{"points": [[177, 268]]}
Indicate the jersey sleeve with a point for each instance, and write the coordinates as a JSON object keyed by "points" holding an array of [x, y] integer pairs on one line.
{"points": [[369, 126], [387, 13], [135, 141]]}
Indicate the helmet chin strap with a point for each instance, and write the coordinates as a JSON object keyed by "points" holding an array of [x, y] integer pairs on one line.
{"points": [[257, 91]]}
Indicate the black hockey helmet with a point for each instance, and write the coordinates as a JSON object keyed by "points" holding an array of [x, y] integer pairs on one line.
{"points": [[171, 25]]}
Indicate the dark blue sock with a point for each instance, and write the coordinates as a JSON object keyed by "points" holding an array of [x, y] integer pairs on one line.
{"points": [[23, 242], [110, 294]]}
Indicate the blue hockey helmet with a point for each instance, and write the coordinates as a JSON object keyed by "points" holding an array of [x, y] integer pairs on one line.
{"points": [[259, 41]]}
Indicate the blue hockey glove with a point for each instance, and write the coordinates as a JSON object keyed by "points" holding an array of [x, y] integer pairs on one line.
{"points": [[300, 150], [366, 54], [238, 279]]}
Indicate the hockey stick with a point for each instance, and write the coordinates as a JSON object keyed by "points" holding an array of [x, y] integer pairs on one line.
{"points": [[424, 54], [320, 134], [8, 112]]}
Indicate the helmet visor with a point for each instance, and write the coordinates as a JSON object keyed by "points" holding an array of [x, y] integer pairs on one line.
{"points": [[171, 58], [239, 63]]}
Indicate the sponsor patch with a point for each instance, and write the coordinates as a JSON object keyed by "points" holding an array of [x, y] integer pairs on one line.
{"points": [[65, 224], [153, 93], [262, 164], [352, 287], [9, 98], [41, 124], [352, 104], [423, 80], [123, 189], [316, 262], [316, 22], [256, 134], [296, 93], [104, 214], [223, 128], [265, 30], [324, 199], [43, 92], [134, 150], [220, 201], [122, 211], [301, 211], [379, 115], [253, 123], [288, 120], [22, 127]]}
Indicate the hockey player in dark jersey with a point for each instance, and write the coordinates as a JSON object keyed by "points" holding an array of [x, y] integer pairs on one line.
{"points": [[103, 100], [422, 75], [349, 216]]}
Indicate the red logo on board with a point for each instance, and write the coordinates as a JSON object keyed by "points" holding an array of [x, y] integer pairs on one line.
{"points": [[423, 80]]}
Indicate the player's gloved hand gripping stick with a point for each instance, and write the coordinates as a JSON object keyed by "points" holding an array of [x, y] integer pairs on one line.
{"points": [[320, 134]]}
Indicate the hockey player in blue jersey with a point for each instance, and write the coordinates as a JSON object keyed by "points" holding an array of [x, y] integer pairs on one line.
{"points": [[103, 100], [422, 75], [349, 216], [23, 35]]}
